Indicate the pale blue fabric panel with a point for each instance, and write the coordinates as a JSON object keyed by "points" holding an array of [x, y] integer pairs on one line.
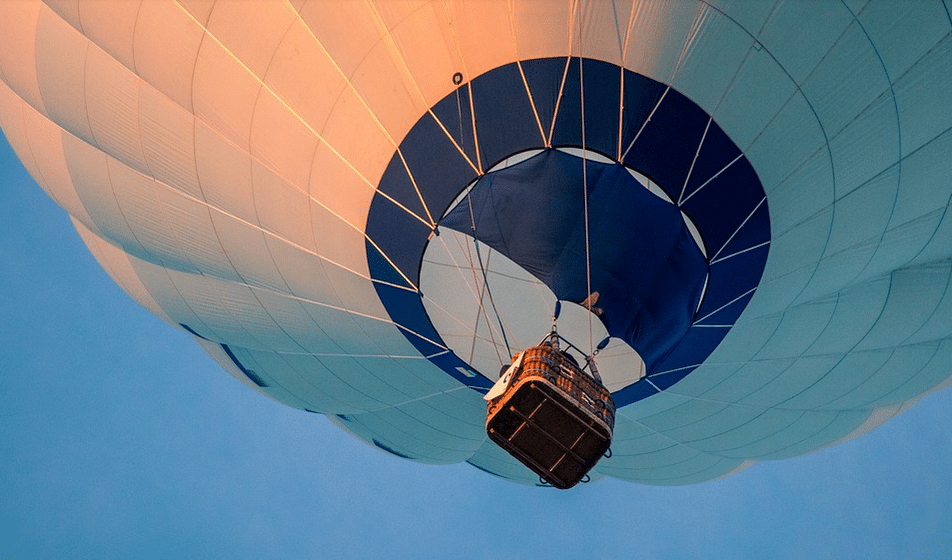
{"points": [[798, 38], [786, 429], [840, 426], [749, 378], [800, 326], [883, 384], [923, 95], [492, 459]]}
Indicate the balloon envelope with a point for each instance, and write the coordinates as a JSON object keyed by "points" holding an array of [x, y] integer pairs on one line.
{"points": [[749, 199]]}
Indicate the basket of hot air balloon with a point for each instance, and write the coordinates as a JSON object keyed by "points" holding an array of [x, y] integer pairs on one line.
{"points": [[551, 415]]}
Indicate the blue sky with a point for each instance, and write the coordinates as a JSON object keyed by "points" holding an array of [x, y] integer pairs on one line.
{"points": [[120, 438]]}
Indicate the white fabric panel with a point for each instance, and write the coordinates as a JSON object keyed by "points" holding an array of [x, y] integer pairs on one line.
{"points": [[803, 194], [283, 208], [216, 352], [708, 376], [923, 95], [675, 465], [112, 102], [799, 328], [932, 376], [415, 70], [484, 37], [367, 153], [159, 285], [89, 171], [799, 39], [756, 93], [361, 335], [167, 64], [199, 9], [790, 265], [68, 10], [230, 311], [710, 58], [926, 175], [859, 220], [735, 426], [914, 295], [749, 15], [902, 365], [250, 30], [224, 173], [321, 389], [189, 222], [224, 93], [38, 143], [796, 378], [304, 273], [263, 372], [247, 249], [140, 205], [659, 30], [847, 373], [345, 30], [168, 141], [282, 142], [340, 190], [540, 29], [867, 147], [492, 459], [747, 379], [18, 50], [408, 437], [845, 422], [420, 420], [117, 264], [60, 63], [303, 74], [857, 310], [846, 81], [680, 421], [790, 139], [891, 30], [655, 404], [936, 325], [789, 428], [389, 92], [601, 28], [111, 24]]}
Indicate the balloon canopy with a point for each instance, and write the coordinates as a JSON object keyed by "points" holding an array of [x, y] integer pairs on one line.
{"points": [[364, 209]]}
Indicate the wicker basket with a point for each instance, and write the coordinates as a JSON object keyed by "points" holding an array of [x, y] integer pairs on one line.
{"points": [[553, 417]]}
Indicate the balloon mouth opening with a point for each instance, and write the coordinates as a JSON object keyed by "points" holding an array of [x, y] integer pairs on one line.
{"points": [[513, 243], [702, 193]]}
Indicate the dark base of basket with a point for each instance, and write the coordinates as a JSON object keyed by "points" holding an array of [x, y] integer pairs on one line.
{"points": [[549, 433]]}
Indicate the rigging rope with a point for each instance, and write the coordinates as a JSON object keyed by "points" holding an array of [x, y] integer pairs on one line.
{"points": [[588, 263]]}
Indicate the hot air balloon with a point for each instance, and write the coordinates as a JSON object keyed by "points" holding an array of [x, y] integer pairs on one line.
{"points": [[365, 210]]}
